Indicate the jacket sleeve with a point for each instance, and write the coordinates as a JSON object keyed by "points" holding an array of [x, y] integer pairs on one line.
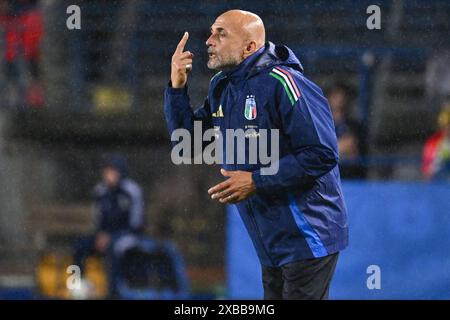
{"points": [[178, 112], [307, 125], [136, 213]]}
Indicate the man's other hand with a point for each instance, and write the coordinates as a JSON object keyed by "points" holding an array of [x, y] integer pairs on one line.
{"points": [[239, 186]]}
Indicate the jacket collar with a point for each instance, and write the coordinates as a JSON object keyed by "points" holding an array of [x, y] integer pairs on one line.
{"points": [[267, 56], [242, 70]]}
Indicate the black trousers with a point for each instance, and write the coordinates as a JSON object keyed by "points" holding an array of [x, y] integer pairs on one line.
{"points": [[301, 280]]}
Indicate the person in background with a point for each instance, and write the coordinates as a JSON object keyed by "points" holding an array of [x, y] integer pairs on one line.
{"points": [[348, 133], [120, 213], [22, 22], [436, 152]]}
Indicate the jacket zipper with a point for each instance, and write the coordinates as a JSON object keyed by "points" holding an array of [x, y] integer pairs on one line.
{"points": [[230, 113], [239, 94]]}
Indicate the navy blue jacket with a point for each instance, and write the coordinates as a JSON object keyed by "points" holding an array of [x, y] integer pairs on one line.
{"points": [[299, 212], [119, 209]]}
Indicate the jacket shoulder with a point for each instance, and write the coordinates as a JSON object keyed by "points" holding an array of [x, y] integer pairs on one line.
{"points": [[286, 69], [287, 79], [131, 187]]}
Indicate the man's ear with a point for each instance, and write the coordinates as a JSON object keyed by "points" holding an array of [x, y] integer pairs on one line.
{"points": [[250, 48]]}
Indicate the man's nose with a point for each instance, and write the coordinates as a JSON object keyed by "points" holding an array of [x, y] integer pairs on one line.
{"points": [[209, 41]]}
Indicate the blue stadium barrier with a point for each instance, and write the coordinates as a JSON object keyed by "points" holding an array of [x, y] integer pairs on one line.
{"points": [[403, 228], [19, 293]]}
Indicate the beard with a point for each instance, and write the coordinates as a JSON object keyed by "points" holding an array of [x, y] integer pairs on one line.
{"points": [[223, 63]]}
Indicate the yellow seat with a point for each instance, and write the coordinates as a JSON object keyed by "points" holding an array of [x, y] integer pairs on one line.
{"points": [[52, 275]]}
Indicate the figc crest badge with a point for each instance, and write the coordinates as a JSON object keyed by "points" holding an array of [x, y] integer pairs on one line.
{"points": [[250, 108]]}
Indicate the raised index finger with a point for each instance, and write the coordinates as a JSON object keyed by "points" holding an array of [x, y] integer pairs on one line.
{"points": [[182, 43]]}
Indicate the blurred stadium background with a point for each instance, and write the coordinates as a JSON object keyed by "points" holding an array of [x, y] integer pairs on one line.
{"points": [[100, 89]]}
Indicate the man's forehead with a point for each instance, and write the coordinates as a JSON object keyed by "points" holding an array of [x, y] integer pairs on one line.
{"points": [[223, 23]]}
